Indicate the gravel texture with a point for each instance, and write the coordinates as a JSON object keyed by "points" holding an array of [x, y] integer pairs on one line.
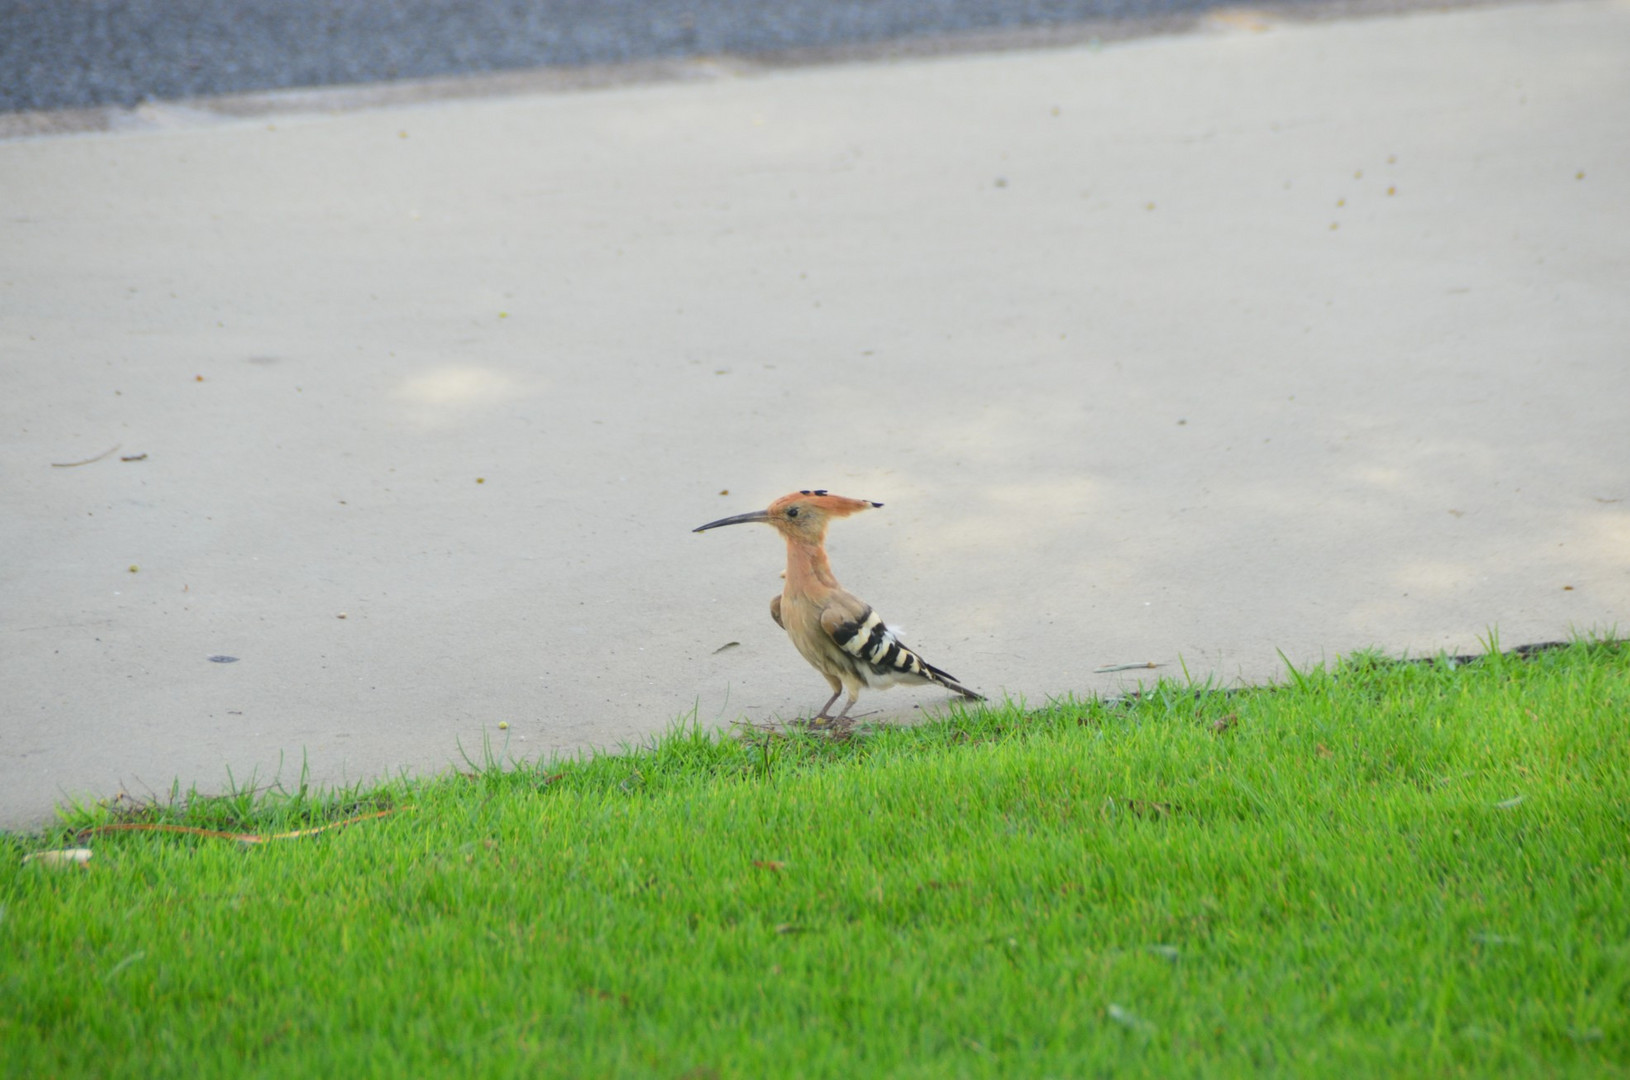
{"points": [[75, 53]]}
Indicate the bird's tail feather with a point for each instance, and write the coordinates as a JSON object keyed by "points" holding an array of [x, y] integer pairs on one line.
{"points": [[948, 680]]}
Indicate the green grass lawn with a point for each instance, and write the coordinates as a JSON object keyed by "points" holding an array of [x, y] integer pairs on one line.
{"points": [[1379, 869]]}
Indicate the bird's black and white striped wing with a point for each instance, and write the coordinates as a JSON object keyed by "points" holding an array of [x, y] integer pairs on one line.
{"points": [[880, 656]]}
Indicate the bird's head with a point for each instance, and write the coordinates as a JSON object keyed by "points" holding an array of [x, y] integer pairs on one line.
{"points": [[802, 515]]}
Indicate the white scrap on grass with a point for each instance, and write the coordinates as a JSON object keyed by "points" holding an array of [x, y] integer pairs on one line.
{"points": [[1507, 804], [1128, 1018], [78, 856]]}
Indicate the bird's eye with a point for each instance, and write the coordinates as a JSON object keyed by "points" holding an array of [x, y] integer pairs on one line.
{"points": [[792, 511]]}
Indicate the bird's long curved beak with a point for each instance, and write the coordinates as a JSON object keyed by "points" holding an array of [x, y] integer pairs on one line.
{"points": [[739, 519]]}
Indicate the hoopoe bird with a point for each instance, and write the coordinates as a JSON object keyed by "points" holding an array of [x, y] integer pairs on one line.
{"points": [[839, 634]]}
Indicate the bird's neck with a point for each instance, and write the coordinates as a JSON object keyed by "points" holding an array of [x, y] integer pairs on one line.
{"points": [[807, 568]]}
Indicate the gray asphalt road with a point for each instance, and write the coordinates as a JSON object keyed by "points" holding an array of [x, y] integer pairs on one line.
{"points": [[68, 53]]}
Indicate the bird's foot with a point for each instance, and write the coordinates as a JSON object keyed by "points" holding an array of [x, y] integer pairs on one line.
{"points": [[826, 725]]}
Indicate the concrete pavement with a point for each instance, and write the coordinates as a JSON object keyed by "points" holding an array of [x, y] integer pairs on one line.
{"points": [[1186, 350]]}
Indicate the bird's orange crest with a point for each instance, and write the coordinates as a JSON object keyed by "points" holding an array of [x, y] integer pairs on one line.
{"points": [[831, 506]]}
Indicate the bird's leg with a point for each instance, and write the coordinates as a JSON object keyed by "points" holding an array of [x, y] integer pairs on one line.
{"points": [[818, 717], [839, 723]]}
